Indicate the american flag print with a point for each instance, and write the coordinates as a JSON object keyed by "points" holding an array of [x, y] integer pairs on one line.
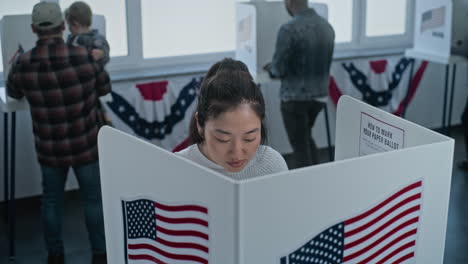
{"points": [[165, 234], [433, 19], [385, 233]]}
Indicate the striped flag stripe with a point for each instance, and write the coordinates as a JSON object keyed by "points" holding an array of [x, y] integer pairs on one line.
{"points": [[398, 250], [405, 257], [181, 220], [168, 249], [385, 225], [383, 215], [145, 257], [167, 254], [184, 239], [387, 207], [383, 249], [379, 206], [383, 238], [182, 245], [177, 208], [181, 232]]}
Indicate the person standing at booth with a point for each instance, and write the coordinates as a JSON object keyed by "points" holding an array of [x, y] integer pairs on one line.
{"points": [[79, 18], [61, 84], [227, 130], [302, 59]]}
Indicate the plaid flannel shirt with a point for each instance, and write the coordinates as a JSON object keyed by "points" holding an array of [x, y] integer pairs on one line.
{"points": [[61, 84]]}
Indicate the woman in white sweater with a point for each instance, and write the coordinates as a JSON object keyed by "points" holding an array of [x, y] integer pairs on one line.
{"points": [[227, 129]]}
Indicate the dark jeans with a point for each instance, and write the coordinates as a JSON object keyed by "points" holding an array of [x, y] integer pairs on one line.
{"points": [[299, 118], [53, 184], [465, 126]]}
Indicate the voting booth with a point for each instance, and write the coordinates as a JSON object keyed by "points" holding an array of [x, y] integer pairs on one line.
{"points": [[257, 26], [440, 31], [384, 200], [441, 36]]}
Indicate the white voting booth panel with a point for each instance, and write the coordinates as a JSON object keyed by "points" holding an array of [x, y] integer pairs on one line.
{"points": [[257, 26], [132, 169], [389, 206], [17, 37], [440, 32]]}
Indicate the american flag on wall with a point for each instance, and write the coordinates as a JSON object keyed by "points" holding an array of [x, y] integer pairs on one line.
{"points": [[380, 83], [385, 233], [158, 111], [165, 234]]}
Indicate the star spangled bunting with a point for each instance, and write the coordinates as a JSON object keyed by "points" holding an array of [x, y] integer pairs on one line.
{"points": [[394, 98], [370, 96], [155, 130], [386, 233], [165, 234]]}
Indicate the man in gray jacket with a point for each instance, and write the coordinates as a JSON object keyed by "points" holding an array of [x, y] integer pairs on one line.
{"points": [[302, 59]]}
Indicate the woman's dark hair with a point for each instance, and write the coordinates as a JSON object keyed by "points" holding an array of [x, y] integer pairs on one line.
{"points": [[227, 85]]}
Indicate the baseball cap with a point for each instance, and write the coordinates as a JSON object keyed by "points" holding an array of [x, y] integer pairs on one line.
{"points": [[47, 15]]}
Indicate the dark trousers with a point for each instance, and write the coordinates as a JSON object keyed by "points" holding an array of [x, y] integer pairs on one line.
{"points": [[53, 184], [299, 118], [465, 126]]}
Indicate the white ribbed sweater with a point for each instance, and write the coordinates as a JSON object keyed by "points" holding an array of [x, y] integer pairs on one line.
{"points": [[266, 161]]}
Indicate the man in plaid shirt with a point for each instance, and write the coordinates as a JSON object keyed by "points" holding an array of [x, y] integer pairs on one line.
{"points": [[62, 84]]}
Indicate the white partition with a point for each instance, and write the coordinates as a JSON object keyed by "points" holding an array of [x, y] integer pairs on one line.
{"points": [[17, 37], [387, 206], [440, 31]]}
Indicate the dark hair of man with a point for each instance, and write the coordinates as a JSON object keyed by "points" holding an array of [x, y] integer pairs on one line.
{"points": [[51, 31], [222, 91]]}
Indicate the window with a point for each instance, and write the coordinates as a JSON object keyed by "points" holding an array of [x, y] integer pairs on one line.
{"points": [[181, 27], [169, 35], [385, 17], [14, 7], [340, 16], [116, 22]]}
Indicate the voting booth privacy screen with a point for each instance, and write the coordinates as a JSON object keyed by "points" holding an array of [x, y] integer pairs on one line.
{"points": [[384, 200], [440, 30]]}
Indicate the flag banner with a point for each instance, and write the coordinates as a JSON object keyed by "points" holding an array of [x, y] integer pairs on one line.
{"points": [[165, 233], [157, 111], [380, 83], [385, 233]]}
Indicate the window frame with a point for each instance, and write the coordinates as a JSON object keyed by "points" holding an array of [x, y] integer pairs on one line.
{"points": [[360, 44], [387, 41]]}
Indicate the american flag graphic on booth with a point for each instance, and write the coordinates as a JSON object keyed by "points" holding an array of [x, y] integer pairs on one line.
{"points": [[165, 234], [385, 233]]}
